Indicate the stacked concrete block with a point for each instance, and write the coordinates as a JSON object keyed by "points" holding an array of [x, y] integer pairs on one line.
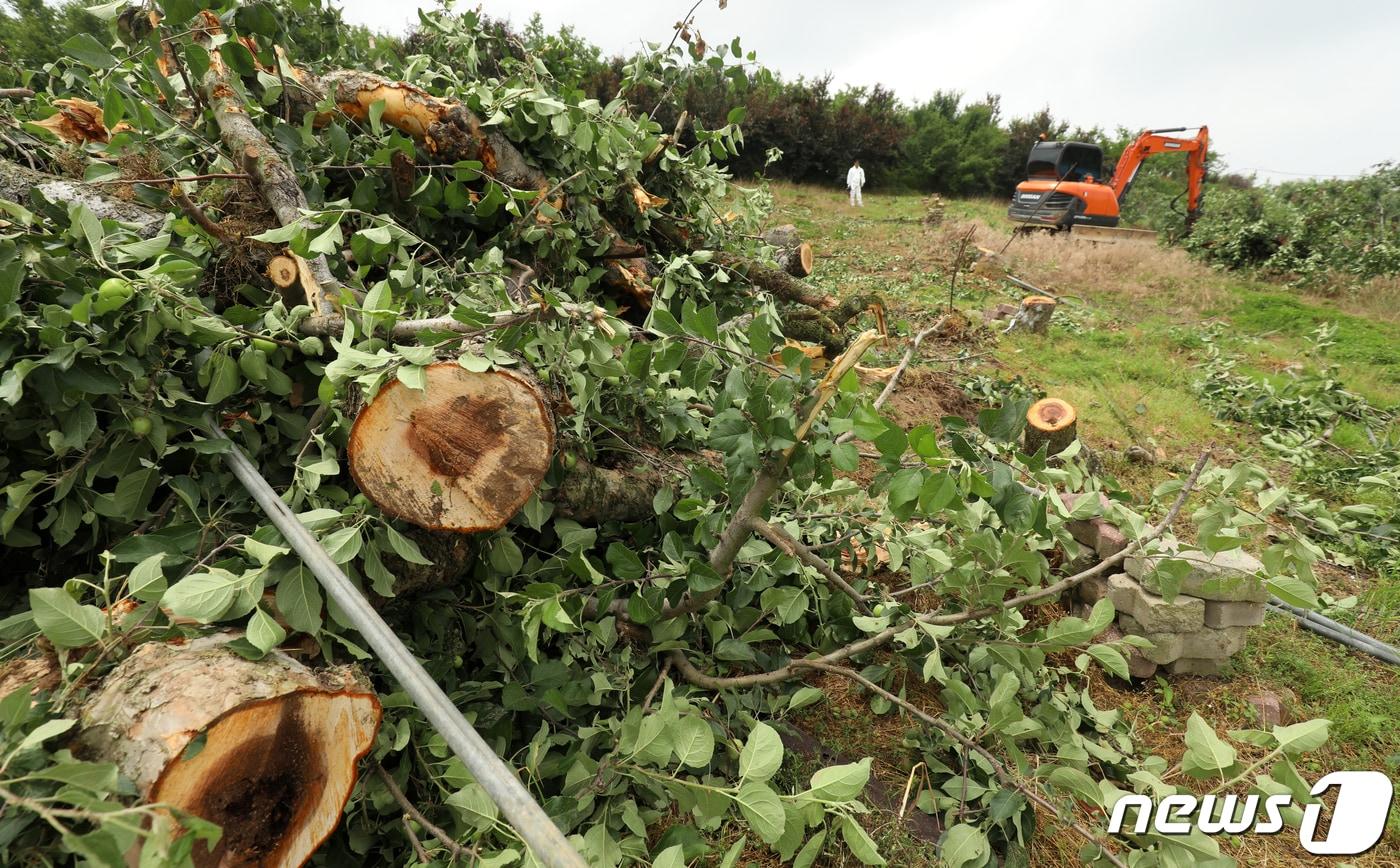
{"points": [[1219, 598]]}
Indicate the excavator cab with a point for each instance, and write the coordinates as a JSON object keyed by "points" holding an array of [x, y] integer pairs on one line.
{"points": [[1064, 187]]}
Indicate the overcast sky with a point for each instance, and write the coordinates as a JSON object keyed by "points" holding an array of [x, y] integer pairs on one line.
{"points": [[1288, 87]]}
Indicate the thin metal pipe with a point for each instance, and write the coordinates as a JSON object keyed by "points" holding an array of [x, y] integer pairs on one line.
{"points": [[1334, 626], [1341, 638], [535, 827]]}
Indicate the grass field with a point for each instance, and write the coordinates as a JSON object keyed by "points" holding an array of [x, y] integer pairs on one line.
{"points": [[1124, 350]]}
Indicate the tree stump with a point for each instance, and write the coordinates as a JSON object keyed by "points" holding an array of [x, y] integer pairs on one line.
{"points": [[1034, 315], [1050, 422], [463, 454], [266, 749], [794, 255]]}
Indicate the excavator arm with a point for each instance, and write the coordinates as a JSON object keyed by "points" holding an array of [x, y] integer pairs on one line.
{"points": [[1155, 142]]}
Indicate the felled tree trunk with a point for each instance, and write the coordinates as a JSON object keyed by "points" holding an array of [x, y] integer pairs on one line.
{"points": [[1034, 315], [1050, 422], [591, 494], [266, 749], [794, 255], [776, 282], [17, 182], [463, 454]]}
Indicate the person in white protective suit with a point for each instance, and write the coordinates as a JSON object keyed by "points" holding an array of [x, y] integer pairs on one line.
{"points": [[855, 179]]}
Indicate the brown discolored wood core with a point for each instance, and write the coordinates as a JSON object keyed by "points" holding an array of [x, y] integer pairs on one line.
{"points": [[260, 791], [452, 436]]}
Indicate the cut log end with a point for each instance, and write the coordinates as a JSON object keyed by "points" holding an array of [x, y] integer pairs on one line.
{"points": [[805, 261], [282, 271], [274, 775], [463, 454], [1050, 422], [268, 749]]}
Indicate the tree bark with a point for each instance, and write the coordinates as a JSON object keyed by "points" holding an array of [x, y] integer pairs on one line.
{"points": [[17, 182], [1050, 422], [794, 255], [463, 454], [1034, 315], [279, 752], [591, 494], [448, 129], [779, 284], [274, 178]]}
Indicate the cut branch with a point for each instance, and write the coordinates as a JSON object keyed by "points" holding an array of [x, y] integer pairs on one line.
{"points": [[879, 640], [446, 128], [779, 284], [767, 482], [275, 180], [783, 540], [17, 182], [794, 255]]}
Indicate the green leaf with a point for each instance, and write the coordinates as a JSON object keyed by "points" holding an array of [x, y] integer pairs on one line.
{"points": [[87, 50], [694, 742], [474, 806], [238, 58], [860, 842], [1077, 783], [405, 547], [1302, 737], [671, 857], [264, 631], [1206, 753], [653, 741], [299, 600], [963, 845], [762, 755], [1111, 659], [45, 731], [762, 809], [147, 579], [841, 783], [810, 851], [94, 777], [804, 697], [63, 621], [224, 378], [1293, 591], [343, 545], [204, 597]]}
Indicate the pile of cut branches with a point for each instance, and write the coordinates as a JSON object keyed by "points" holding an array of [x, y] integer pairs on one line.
{"points": [[526, 365]]}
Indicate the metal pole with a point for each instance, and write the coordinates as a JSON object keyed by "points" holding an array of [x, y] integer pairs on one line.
{"points": [[1333, 625], [536, 829], [1382, 652]]}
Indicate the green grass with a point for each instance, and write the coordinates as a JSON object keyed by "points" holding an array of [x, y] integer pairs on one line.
{"points": [[1125, 358]]}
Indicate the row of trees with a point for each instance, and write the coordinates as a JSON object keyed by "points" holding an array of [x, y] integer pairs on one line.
{"points": [[803, 130]]}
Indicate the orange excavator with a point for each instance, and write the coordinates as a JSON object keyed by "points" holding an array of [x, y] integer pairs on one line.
{"points": [[1064, 187]]}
